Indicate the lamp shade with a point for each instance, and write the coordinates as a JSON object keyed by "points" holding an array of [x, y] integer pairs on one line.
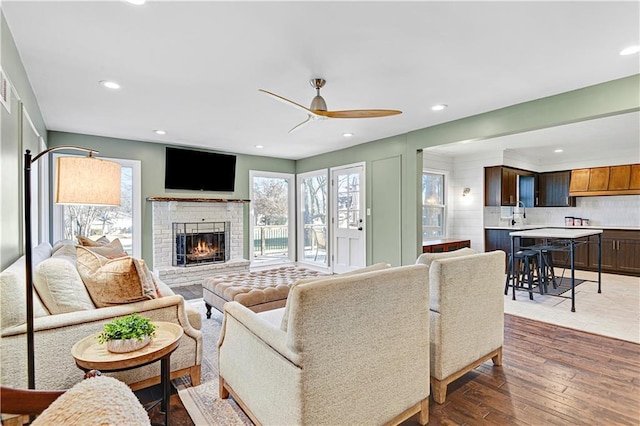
{"points": [[87, 180]]}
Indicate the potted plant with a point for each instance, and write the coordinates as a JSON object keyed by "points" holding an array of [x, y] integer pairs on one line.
{"points": [[127, 334]]}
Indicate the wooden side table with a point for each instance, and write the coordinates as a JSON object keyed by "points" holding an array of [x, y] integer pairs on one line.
{"points": [[91, 355]]}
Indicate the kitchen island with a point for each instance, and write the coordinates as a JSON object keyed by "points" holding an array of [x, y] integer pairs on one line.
{"points": [[559, 239]]}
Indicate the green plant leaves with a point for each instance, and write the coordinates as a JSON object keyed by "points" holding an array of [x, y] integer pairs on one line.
{"points": [[132, 326]]}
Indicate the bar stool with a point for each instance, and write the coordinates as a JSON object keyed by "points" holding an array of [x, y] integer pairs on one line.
{"points": [[524, 265], [547, 273]]}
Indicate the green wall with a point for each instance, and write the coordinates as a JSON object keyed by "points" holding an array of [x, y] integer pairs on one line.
{"points": [[393, 165], [610, 98], [151, 156], [12, 147]]}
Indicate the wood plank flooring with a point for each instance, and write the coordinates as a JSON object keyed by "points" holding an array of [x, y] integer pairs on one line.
{"points": [[550, 376]]}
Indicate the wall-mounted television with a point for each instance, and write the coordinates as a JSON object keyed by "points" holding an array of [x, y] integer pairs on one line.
{"points": [[199, 170]]}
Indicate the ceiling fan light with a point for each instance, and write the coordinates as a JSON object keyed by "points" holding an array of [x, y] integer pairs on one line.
{"points": [[318, 104]]}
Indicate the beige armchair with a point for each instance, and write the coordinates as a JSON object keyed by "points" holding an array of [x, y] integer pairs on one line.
{"points": [[351, 351], [467, 313]]}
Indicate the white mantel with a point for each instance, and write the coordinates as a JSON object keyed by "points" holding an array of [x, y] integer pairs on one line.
{"points": [[167, 211]]}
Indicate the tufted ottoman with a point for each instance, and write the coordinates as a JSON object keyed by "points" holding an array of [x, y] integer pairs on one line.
{"points": [[258, 291]]}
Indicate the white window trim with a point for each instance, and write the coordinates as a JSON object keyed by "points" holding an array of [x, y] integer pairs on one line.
{"points": [[300, 225], [447, 200], [136, 177], [291, 212]]}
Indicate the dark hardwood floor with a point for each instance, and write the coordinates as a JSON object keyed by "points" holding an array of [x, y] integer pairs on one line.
{"points": [[550, 376]]}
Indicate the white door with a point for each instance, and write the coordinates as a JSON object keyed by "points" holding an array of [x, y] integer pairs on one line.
{"points": [[348, 218]]}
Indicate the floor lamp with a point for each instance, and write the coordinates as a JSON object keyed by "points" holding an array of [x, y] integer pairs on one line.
{"points": [[79, 180]]}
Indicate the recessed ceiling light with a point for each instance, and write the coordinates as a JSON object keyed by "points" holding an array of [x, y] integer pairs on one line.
{"points": [[347, 135], [159, 132], [259, 146], [136, 2], [630, 50], [439, 107], [557, 150], [109, 84]]}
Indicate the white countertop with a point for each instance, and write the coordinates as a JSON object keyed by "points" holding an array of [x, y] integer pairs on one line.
{"points": [[569, 233], [525, 227]]}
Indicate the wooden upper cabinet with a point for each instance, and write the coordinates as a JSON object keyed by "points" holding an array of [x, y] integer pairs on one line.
{"points": [[634, 179], [613, 180], [599, 179], [579, 180], [619, 177]]}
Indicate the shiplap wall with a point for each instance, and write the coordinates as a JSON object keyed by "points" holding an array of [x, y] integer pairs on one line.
{"points": [[466, 215]]}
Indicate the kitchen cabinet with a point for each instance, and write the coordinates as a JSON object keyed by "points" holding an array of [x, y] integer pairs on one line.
{"points": [[634, 179], [444, 244], [598, 179], [553, 190], [619, 177], [613, 180], [579, 180], [581, 259], [499, 239], [620, 252], [501, 183]]}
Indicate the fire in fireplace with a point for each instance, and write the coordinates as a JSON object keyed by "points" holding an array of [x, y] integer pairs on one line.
{"points": [[198, 243]]}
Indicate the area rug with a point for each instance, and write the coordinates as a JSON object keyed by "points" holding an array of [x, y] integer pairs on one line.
{"points": [[202, 402], [563, 284]]}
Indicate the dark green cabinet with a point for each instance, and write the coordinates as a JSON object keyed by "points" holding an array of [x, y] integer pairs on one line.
{"points": [[620, 252], [553, 190]]}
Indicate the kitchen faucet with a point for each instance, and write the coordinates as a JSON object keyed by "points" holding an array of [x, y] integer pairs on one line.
{"points": [[513, 213]]}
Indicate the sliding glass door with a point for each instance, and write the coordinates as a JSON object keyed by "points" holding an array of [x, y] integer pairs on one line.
{"points": [[272, 218], [313, 229]]}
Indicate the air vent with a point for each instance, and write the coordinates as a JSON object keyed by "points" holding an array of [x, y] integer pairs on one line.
{"points": [[5, 91]]}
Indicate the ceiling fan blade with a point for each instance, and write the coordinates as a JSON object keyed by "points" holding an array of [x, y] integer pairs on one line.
{"points": [[297, 126], [288, 102], [359, 113]]}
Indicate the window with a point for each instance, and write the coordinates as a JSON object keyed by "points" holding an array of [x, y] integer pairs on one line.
{"points": [[433, 205], [123, 222], [313, 231], [272, 217]]}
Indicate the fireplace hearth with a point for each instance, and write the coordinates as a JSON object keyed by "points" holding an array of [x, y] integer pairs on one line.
{"points": [[201, 243]]}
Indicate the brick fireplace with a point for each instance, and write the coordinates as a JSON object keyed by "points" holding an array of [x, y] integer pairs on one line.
{"points": [[195, 215]]}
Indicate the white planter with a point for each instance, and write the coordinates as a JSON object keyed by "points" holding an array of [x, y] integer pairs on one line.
{"points": [[127, 345]]}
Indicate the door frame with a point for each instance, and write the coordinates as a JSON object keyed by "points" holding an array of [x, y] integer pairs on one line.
{"points": [[291, 211], [332, 212], [300, 225]]}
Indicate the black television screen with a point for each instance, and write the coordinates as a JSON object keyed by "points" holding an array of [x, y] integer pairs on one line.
{"points": [[199, 170]]}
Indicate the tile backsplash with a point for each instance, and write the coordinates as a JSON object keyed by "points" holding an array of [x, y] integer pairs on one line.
{"points": [[618, 210]]}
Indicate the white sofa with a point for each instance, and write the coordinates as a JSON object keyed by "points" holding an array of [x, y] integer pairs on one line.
{"points": [[467, 313], [56, 333], [349, 349]]}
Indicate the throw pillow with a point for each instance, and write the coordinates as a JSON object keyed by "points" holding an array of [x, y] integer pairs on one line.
{"points": [[13, 300], [428, 258], [111, 250], [86, 241], [114, 281], [60, 287], [285, 317]]}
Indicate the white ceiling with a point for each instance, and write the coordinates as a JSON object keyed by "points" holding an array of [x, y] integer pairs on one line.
{"points": [[194, 68]]}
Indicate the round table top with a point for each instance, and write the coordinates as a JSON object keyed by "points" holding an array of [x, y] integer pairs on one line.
{"points": [[91, 355]]}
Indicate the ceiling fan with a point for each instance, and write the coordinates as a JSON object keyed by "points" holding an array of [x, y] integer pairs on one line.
{"points": [[318, 109]]}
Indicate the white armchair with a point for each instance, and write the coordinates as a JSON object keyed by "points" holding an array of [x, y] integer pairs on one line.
{"points": [[354, 350], [467, 313]]}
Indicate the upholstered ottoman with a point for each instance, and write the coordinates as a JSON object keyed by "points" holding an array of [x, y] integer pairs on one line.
{"points": [[258, 291]]}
